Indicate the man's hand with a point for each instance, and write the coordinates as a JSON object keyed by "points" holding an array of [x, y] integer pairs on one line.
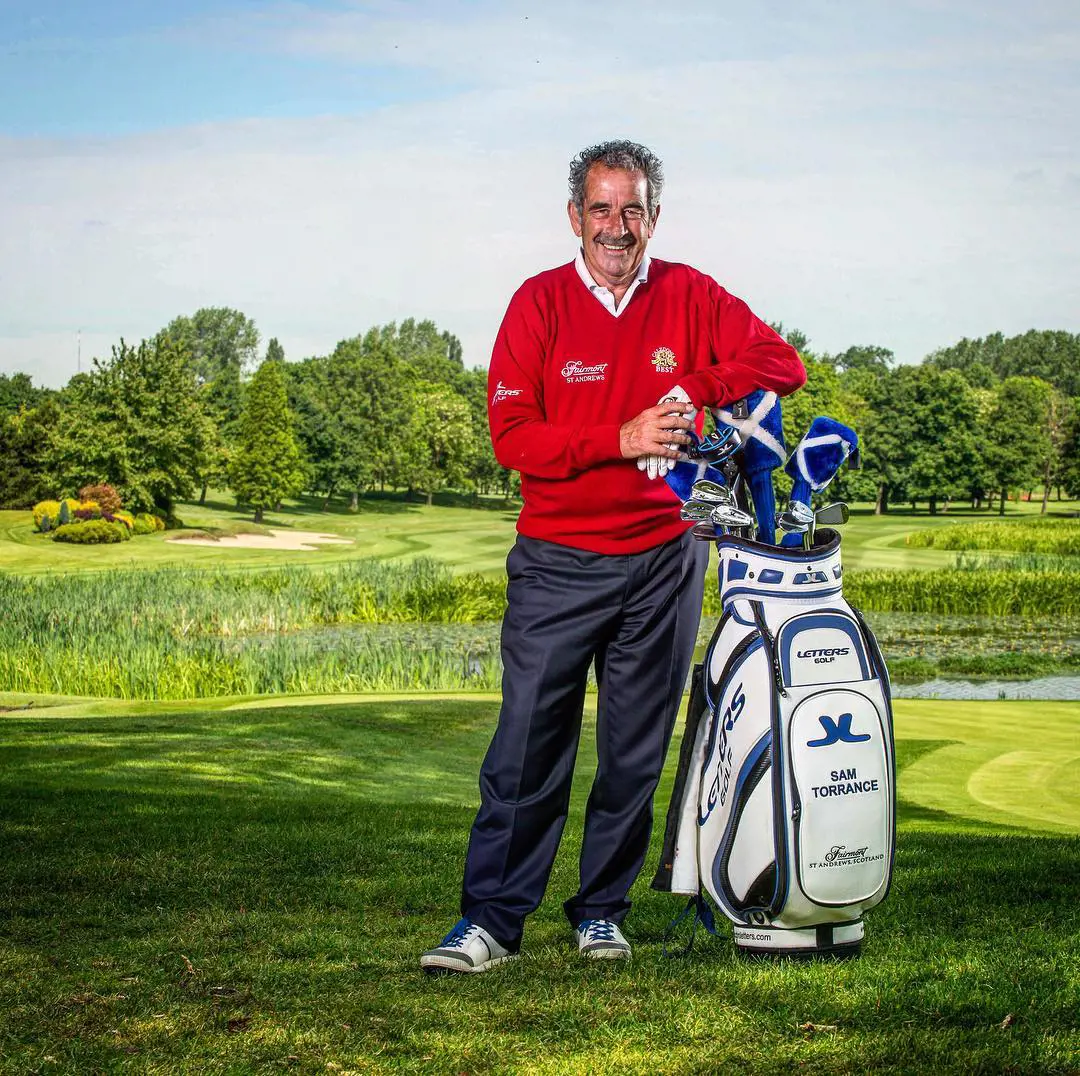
{"points": [[656, 434], [675, 402]]}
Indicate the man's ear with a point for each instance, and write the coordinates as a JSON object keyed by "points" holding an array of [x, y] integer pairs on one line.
{"points": [[655, 218], [575, 217]]}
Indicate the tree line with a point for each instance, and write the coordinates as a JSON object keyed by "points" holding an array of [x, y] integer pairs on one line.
{"points": [[200, 405]]}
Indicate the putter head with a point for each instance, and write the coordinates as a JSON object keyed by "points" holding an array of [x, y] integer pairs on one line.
{"points": [[696, 510], [832, 515], [712, 492], [705, 532]]}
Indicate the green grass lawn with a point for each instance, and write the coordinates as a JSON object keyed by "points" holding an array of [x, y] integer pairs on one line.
{"points": [[244, 887], [467, 538]]}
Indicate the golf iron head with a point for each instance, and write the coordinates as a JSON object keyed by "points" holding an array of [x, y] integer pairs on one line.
{"points": [[731, 518], [712, 492], [832, 515], [696, 510]]}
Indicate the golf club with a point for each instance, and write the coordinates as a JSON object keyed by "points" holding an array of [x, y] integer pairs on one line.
{"points": [[712, 492], [832, 515], [696, 510]]}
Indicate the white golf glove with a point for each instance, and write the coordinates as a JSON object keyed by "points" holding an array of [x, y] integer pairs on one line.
{"points": [[658, 466]]}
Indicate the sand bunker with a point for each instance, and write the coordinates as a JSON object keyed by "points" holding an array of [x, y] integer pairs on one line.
{"points": [[273, 540]]}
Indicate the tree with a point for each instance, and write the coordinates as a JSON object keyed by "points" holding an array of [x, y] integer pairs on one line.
{"points": [[135, 422], [1051, 355], [222, 347], [1017, 436], [268, 465], [17, 391], [436, 436], [23, 442]]}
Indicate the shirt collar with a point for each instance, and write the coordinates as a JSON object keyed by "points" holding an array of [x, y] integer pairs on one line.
{"points": [[587, 280]]}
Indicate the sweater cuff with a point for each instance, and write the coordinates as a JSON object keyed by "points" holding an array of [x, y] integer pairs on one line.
{"points": [[702, 387], [598, 444]]}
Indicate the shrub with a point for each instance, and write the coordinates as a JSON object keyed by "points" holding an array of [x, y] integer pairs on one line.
{"points": [[96, 532], [45, 508], [65, 513], [105, 495], [90, 511], [144, 523], [126, 518], [46, 524]]}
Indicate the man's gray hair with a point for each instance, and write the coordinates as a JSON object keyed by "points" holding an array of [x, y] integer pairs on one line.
{"points": [[618, 153]]}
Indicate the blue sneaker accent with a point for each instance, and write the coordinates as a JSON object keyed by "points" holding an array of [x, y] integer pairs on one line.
{"points": [[468, 948], [601, 939]]}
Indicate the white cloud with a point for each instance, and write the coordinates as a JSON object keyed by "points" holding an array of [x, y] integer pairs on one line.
{"points": [[872, 196]]}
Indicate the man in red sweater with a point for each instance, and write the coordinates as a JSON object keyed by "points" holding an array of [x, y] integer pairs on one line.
{"points": [[603, 570]]}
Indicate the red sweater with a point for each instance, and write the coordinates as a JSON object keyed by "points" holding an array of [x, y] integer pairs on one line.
{"points": [[565, 374]]}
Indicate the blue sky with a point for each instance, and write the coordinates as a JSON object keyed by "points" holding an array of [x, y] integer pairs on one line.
{"points": [[901, 173]]}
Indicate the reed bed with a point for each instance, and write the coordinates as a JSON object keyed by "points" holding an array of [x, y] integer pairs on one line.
{"points": [[1056, 536], [991, 592], [359, 626]]}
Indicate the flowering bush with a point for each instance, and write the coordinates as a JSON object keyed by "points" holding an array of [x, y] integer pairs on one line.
{"points": [[45, 508], [94, 532], [105, 495]]}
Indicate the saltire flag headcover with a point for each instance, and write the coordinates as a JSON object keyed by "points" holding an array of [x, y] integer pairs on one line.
{"points": [[685, 473], [816, 461], [762, 452]]}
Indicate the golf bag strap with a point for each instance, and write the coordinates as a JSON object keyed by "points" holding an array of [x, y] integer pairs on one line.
{"points": [[703, 916], [695, 710]]}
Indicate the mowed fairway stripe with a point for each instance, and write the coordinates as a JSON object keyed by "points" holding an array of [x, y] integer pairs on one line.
{"points": [[1008, 763], [1032, 785]]}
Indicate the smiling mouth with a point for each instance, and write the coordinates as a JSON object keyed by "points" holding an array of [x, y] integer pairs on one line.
{"points": [[614, 248]]}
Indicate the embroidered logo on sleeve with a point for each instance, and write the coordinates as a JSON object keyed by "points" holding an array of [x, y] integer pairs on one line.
{"points": [[575, 371], [503, 393], [663, 358]]}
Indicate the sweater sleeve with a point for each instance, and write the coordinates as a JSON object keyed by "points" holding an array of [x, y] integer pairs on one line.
{"points": [[747, 355], [522, 437]]}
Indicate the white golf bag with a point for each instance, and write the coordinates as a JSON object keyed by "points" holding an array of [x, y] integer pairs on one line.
{"points": [[784, 806]]}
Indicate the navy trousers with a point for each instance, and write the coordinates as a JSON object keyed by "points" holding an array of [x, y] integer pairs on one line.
{"points": [[637, 616]]}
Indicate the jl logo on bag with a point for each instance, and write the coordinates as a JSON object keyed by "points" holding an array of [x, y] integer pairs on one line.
{"points": [[837, 731]]}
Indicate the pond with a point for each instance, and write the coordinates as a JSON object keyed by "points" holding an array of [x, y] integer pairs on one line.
{"points": [[445, 656]]}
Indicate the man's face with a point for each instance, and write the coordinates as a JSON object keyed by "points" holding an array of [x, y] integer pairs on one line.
{"points": [[615, 226]]}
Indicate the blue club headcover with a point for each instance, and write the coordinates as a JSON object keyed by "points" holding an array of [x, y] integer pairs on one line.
{"points": [[817, 460], [685, 473], [763, 450]]}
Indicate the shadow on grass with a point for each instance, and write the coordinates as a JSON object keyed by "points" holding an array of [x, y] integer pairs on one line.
{"points": [[249, 891]]}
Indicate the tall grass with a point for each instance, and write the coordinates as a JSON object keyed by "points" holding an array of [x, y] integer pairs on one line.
{"points": [[1058, 536], [173, 634], [993, 592]]}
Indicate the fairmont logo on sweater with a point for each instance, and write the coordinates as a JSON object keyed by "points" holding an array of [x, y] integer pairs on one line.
{"points": [[575, 370], [503, 393]]}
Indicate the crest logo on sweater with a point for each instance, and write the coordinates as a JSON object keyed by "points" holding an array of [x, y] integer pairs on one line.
{"points": [[503, 393], [576, 371], [663, 359]]}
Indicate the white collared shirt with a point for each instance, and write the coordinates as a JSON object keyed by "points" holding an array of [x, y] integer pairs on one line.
{"points": [[605, 295]]}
